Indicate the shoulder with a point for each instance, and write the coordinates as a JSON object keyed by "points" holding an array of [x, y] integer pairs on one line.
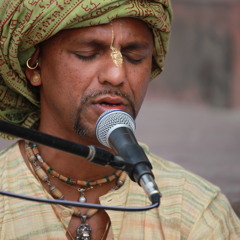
{"points": [[192, 202], [13, 148], [9, 157], [170, 174]]}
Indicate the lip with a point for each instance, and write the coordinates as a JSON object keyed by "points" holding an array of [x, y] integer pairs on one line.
{"points": [[111, 102], [110, 99]]}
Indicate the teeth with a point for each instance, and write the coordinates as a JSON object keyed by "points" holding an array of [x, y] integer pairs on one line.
{"points": [[109, 104]]}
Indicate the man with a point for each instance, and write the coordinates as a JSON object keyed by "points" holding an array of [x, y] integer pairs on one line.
{"points": [[74, 60]]}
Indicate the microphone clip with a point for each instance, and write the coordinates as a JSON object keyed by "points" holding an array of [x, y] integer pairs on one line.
{"points": [[135, 167]]}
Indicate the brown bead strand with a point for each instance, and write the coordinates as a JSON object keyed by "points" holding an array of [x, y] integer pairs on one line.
{"points": [[34, 157], [42, 175], [54, 173]]}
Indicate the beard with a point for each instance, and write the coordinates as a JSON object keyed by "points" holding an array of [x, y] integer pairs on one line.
{"points": [[79, 129], [79, 124]]}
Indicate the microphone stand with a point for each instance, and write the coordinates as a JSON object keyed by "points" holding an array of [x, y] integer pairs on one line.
{"points": [[90, 153]]}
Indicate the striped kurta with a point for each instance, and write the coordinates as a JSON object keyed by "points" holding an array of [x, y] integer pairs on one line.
{"points": [[191, 208]]}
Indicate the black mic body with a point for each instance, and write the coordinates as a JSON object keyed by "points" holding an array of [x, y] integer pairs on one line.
{"points": [[115, 129]]}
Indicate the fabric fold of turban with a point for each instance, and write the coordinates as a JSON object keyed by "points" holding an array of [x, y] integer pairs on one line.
{"points": [[26, 23]]}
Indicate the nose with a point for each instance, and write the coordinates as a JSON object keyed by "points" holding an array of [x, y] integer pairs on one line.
{"points": [[112, 74]]}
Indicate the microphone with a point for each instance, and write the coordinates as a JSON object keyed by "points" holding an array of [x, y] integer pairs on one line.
{"points": [[115, 129]]}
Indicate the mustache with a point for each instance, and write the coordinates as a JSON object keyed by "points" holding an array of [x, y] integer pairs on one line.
{"points": [[113, 92]]}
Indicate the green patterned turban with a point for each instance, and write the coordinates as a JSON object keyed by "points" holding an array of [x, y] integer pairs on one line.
{"points": [[25, 23]]}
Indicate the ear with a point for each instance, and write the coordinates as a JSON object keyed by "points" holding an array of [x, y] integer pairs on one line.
{"points": [[34, 75]]}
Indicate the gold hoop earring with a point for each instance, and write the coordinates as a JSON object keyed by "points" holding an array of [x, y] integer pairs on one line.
{"points": [[32, 68]]}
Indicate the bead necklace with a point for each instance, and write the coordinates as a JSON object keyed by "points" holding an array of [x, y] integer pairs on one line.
{"points": [[42, 169], [33, 154]]}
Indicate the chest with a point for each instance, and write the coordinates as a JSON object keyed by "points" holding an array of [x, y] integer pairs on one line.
{"points": [[95, 227]]}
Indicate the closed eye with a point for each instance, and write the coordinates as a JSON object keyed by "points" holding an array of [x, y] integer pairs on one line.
{"points": [[86, 57], [132, 60]]}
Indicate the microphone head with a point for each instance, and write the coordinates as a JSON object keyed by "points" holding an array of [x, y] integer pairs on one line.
{"points": [[109, 121]]}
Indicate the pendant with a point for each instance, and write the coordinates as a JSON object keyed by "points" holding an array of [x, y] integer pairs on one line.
{"points": [[82, 198], [84, 231]]}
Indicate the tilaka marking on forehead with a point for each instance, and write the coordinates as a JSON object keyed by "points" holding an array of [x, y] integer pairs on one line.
{"points": [[115, 53]]}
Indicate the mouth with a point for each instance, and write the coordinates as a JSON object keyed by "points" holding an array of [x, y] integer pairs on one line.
{"points": [[107, 104], [111, 102]]}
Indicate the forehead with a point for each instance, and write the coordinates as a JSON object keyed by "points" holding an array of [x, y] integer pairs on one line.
{"points": [[122, 31]]}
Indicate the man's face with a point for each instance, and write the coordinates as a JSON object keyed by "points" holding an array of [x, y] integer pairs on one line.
{"points": [[81, 77]]}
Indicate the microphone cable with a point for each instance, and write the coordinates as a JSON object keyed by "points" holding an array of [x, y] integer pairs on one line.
{"points": [[78, 204]]}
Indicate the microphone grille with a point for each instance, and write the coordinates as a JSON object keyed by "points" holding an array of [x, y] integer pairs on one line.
{"points": [[111, 120]]}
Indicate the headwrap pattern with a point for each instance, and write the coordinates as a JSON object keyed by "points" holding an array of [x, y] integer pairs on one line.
{"points": [[25, 23]]}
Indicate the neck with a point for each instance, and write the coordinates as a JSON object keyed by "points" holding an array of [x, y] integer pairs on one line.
{"points": [[70, 165]]}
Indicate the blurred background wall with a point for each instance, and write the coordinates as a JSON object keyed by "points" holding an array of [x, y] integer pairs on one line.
{"points": [[192, 111], [203, 64]]}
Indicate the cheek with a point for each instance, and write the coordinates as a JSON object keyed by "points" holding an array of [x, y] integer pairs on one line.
{"points": [[139, 85], [142, 91], [63, 76], [61, 91]]}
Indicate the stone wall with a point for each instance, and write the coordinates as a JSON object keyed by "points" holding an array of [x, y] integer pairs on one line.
{"points": [[203, 64]]}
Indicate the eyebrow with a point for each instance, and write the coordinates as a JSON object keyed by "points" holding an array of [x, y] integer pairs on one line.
{"points": [[93, 43], [136, 46], [102, 44]]}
